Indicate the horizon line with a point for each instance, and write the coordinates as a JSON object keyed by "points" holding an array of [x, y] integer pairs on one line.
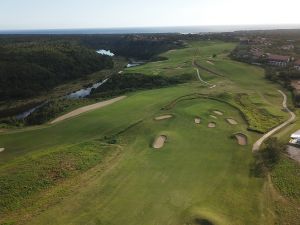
{"points": [[239, 26]]}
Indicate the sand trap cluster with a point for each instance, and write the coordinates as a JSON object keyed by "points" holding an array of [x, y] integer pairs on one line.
{"points": [[159, 142], [197, 120], [218, 113], [212, 125], [232, 121], [163, 117], [241, 139], [2, 149]]}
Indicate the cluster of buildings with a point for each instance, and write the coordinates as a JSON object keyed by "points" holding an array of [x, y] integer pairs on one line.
{"points": [[275, 60], [257, 53]]}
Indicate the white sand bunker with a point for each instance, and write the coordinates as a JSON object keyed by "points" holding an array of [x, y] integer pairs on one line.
{"points": [[197, 120], [2, 149], [214, 117], [159, 142], [163, 117], [232, 121], [210, 62], [241, 139], [212, 125], [218, 113]]}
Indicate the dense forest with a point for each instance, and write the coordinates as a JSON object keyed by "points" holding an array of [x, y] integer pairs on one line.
{"points": [[27, 69], [121, 83], [139, 46], [33, 64]]}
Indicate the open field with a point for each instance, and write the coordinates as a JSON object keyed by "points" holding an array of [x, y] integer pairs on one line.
{"points": [[200, 174]]}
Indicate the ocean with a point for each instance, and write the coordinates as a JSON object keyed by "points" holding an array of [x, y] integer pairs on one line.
{"points": [[145, 30]]}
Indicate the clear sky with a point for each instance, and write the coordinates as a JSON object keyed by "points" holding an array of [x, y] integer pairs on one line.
{"points": [[45, 14]]}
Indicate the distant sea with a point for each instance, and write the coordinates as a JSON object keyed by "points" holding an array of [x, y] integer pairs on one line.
{"points": [[145, 30]]}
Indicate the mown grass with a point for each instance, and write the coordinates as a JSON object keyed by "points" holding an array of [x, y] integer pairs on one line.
{"points": [[200, 171], [193, 170]]}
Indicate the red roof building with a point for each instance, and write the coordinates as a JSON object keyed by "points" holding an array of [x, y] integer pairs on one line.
{"points": [[278, 60]]}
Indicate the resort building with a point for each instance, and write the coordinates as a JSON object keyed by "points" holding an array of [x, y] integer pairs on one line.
{"points": [[278, 60]]}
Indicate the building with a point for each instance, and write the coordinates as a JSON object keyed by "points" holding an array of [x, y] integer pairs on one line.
{"points": [[295, 138], [288, 47], [244, 41], [297, 65], [278, 60]]}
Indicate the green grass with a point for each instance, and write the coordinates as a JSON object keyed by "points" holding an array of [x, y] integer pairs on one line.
{"points": [[37, 172], [201, 173], [165, 183]]}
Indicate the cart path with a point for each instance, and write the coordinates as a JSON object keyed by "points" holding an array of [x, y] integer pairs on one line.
{"points": [[87, 109], [258, 143], [203, 81]]}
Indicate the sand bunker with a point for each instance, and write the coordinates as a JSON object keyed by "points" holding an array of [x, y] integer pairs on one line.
{"points": [[231, 121], [218, 113], [197, 120], [214, 117], [88, 108], [212, 125], [164, 117], [210, 62], [241, 139], [159, 142], [2, 149]]}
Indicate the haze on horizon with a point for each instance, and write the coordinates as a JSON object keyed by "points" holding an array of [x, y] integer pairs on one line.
{"points": [[62, 14]]}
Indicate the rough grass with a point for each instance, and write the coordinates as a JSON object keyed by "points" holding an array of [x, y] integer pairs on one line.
{"points": [[22, 179], [286, 177], [259, 118]]}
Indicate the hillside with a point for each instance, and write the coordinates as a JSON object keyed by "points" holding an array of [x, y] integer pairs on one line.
{"points": [[29, 69]]}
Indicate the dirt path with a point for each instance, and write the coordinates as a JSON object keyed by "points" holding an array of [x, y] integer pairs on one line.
{"points": [[87, 109], [206, 69], [258, 143], [203, 81]]}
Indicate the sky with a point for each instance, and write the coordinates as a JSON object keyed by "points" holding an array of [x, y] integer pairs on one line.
{"points": [[62, 14]]}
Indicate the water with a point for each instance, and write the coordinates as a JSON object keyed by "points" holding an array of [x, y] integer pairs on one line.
{"points": [[138, 30], [105, 52], [29, 112], [86, 91], [76, 95]]}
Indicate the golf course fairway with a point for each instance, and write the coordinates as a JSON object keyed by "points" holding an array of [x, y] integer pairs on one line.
{"points": [[199, 176]]}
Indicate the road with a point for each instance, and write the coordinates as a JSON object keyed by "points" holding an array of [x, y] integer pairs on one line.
{"points": [[258, 144]]}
